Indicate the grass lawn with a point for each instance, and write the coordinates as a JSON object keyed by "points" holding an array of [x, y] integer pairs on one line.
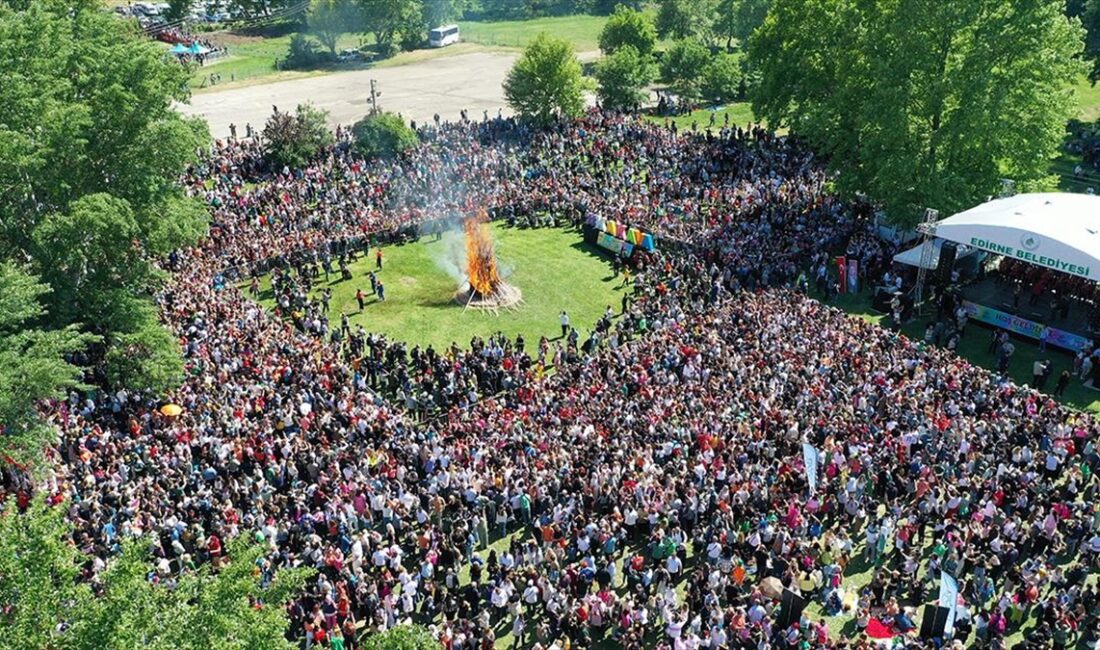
{"points": [[583, 31], [553, 267], [253, 57], [1088, 100], [740, 115], [974, 347]]}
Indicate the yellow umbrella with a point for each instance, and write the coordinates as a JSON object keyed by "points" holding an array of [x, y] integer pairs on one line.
{"points": [[171, 410]]}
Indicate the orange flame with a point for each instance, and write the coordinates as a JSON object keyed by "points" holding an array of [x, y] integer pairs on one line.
{"points": [[481, 261]]}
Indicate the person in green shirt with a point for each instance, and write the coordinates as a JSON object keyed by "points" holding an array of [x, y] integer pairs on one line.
{"points": [[336, 641]]}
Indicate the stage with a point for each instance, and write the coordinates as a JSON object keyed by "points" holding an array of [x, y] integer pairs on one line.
{"points": [[995, 301]]}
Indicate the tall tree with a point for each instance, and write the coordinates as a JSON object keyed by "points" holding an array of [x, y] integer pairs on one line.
{"points": [[921, 103], [383, 135], [292, 139], [721, 80], [545, 83], [386, 19], [628, 27], [682, 67], [32, 366], [623, 77], [1090, 18], [442, 12], [87, 122], [402, 637], [329, 20], [43, 604], [681, 19], [735, 20]]}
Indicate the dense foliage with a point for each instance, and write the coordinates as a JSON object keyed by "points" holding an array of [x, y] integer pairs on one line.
{"points": [[545, 83], [623, 77], [921, 104], [90, 152], [402, 637], [682, 67], [44, 605], [291, 139], [628, 27], [32, 365], [383, 135]]}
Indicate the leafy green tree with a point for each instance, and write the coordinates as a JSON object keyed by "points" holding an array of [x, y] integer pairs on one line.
{"points": [[721, 79], [330, 19], [921, 104], [682, 67], [402, 637], [1090, 18], [178, 9], [32, 366], [387, 19], [737, 19], [442, 12], [628, 27], [622, 78], [383, 135], [681, 19], [302, 53], [545, 83], [87, 124], [43, 604], [292, 139]]}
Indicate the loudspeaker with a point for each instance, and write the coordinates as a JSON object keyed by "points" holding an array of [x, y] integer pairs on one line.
{"points": [[947, 262], [790, 609], [933, 621]]}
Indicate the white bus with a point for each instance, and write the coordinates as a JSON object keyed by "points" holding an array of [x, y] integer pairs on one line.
{"points": [[443, 36]]}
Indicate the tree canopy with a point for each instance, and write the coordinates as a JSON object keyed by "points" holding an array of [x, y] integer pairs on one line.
{"points": [[383, 135], [44, 605], [402, 637], [680, 19], [921, 104], [623, 77], [682, 67], [721, 80], [32, 365], [292, 139], [329, 19], [91, 150], [545, 83], [628, 27]]}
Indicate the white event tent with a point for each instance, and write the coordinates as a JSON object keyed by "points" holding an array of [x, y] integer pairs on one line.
{"points": [[1059, 231]]}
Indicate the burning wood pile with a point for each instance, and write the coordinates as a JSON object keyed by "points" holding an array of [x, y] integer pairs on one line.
{"points": [[484, 288]]}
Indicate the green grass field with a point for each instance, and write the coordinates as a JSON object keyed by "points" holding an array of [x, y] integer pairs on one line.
{"points": [[553, 267], [252, 58], [973, 347], [583, 31], [740, 115]]}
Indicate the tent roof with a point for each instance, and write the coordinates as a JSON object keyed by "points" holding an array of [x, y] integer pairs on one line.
{"points": [[1059, 231], [911, 257]]}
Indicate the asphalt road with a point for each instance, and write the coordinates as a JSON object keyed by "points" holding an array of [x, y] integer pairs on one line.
{"points": [[417, 91]]}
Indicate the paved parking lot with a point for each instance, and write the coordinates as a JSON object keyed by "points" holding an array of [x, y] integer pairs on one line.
{"points": [[418, 91]]}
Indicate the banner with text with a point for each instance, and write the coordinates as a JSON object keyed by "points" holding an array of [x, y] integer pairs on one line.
{"points": [[1024, 327]]}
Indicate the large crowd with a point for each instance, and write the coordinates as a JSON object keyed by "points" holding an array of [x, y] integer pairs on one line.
{"points": [[639, 493]]}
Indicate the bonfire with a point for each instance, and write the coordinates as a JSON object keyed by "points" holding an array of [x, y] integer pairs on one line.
{"points": [[484, 288]]}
